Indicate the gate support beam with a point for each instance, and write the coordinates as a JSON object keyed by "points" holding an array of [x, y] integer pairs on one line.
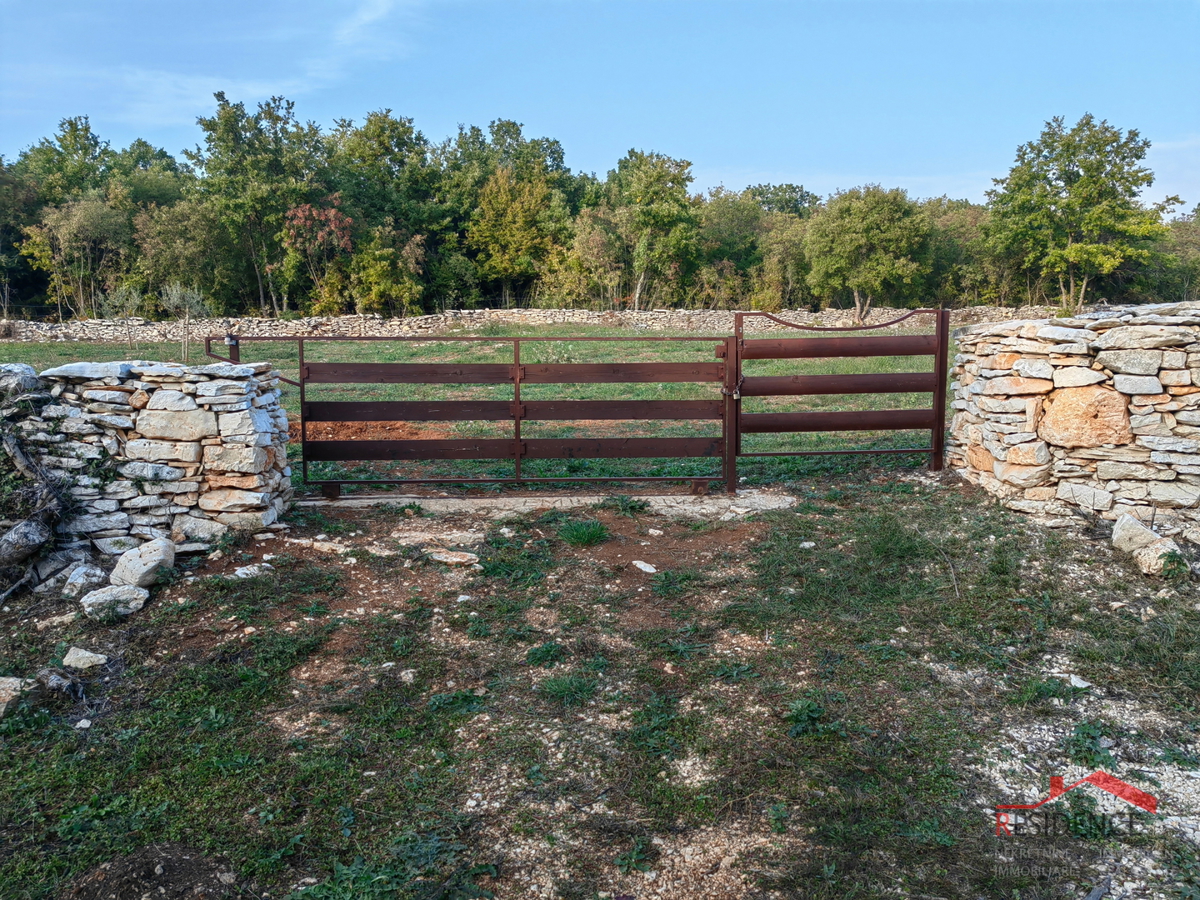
{"points": [[941, 370], [730, 426]]}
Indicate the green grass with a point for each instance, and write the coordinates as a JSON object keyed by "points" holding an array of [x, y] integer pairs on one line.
{"points": [[811, 693], [585, 533]]}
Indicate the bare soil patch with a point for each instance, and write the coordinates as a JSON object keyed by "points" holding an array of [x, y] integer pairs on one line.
{"points": [[169, 871]]}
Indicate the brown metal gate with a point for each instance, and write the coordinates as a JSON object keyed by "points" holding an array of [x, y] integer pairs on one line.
{"points": [[725, 373]]}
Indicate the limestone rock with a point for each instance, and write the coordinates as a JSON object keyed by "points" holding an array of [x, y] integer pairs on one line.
{"points": [[1033, 368], [83, 579], [153, 451], [1087, 416], [1129, 534], [231, 370], [245, 422], [77, 658], [1137, 384], [221, 388], [1060, 335], [140, 566], [1120, 471], [454, 557], [191, 425], [233, 500], [94, 371], [253, 571], [115, 546], [195, 528], [99, 396], [979, 458], [1032, 453], [11, 690], [1084, 495], [145, 471], [172, 401], [1076, 376], [248, 460], [1143, 337], [88, 524], [249, 521], [1131, 362], [1021, 476], [121, 599], [1151, 560], [1173, 494], [1012, 385]]}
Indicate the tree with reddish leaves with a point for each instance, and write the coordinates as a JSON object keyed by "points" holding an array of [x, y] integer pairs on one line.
{"points": [[316, 237]]}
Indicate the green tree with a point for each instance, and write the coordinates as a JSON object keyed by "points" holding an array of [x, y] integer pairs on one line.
{"points": [[255, 167], [188, 242], [507, 229], [869, 242], [658, 220], [792, 199], [1069, 208], [80, 245], [69, 164]]}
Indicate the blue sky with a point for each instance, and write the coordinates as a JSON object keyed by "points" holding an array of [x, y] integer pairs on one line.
{"points": [[930, 95]]}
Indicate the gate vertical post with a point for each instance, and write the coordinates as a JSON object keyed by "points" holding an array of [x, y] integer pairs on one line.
{"points": [[233, 348], [729, 411], [942, 369], [516, 408]]}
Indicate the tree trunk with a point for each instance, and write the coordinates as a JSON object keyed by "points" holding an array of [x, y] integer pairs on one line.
{"points": [[862, 307], [637, 290]]}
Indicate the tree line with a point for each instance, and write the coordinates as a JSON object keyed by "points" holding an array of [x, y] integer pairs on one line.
{"points": [[275, 216]]}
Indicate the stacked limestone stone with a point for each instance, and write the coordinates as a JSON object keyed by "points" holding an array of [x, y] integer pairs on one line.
{"points": [[158, 451], [1099, 413]]}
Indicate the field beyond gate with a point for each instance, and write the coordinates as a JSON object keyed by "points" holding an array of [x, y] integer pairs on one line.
{"points": [[495, 394]]}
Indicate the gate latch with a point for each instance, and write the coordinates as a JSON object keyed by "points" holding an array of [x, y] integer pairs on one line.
{"points": [[736, 393]]}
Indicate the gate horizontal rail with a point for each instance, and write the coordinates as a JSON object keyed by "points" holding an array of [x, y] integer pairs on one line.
{"points": [[726, 373]]}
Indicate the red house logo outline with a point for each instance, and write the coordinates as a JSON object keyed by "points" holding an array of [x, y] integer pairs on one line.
{"points": [[1102, 780]]}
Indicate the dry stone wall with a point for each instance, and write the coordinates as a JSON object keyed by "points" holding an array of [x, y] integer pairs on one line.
{"points": [[697, 321], [1099, 413], [156, 453]]}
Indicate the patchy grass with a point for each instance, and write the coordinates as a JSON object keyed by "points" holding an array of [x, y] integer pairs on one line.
{"points": [[822, 702]]}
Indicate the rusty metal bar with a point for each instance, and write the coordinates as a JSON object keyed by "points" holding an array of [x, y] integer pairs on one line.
{"points": [[517, 372], [874, 383], [505, 448], [730, 431], [824, 348], [603, 373], [502, 410], [407, 373], [407, 411], [468, 448], [617, 448], [921, 450], [941, 371], [870, 420]]}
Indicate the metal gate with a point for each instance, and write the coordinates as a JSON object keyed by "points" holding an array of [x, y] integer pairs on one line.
{"points": [[725, 374]]}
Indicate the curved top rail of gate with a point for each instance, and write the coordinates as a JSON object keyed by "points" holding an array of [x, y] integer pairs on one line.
{"points": [[774, 318]]}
